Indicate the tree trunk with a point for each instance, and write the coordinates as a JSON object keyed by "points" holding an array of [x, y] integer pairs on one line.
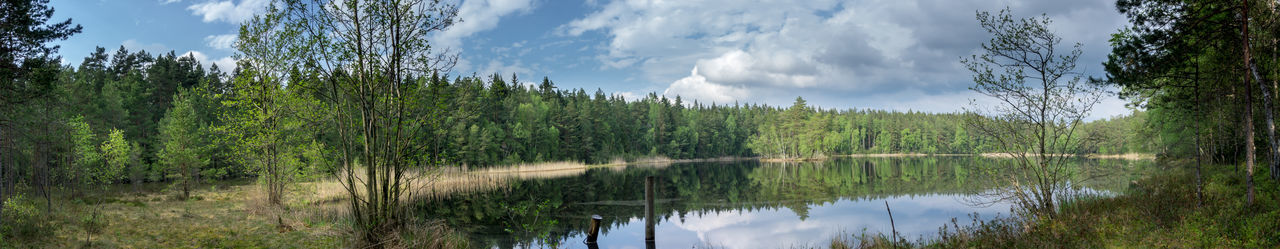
{"points": [[1199, 147], [1199, 176], [42, 161], [1248, 105], [4, 172], [1268, 108], [186, 183], [1253, 67], [1249, 156], [135, 175]]}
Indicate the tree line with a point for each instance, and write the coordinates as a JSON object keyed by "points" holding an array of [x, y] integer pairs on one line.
{"points": [[308, 99], [155, 118]]}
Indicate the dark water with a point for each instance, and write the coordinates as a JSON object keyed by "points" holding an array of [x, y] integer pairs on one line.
{"points": [[746, 204]]}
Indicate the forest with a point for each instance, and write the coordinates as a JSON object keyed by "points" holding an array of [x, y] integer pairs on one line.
{"points": [[1200, 77], [113, 118]]}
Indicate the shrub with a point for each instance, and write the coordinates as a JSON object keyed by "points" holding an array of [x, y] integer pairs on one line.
{"points": [[20, 218]]}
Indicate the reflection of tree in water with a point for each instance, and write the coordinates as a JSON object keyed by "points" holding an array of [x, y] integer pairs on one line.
{"points": [[714, 187]]}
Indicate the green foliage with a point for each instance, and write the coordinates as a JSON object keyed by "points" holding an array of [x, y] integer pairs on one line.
{"points": [[28, 63], [87, 167], [263, 126], [92, 224], [803, 132], [530, 219], [20, 218], [118, 154], [181, 135]]}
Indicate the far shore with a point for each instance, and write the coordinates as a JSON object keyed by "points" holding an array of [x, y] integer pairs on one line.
{"points": [[1127, 156], [663, 161], [569, 165]]}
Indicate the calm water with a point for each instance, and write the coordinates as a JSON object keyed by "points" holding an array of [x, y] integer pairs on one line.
{"points": [[745, 204]]}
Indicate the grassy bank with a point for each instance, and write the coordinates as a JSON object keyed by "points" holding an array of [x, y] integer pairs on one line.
{"points": [[226, 214], [219, 215], [235, 213], [1158, 211]]}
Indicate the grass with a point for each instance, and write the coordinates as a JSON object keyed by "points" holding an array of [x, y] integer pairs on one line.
{"points": [[222, 215], [227, 214], [1158, 211]]}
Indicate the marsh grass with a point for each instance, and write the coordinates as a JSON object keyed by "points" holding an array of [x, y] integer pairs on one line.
{"points": [[536, 170]]}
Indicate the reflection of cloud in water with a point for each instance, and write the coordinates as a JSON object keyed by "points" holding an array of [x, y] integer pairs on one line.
{"points": [[916, 216]]}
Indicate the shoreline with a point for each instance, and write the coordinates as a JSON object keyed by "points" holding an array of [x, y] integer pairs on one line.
{"points": [[547, 167], [1126, 156], [567, 165]]}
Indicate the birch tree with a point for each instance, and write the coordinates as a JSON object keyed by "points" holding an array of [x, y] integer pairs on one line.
{"points": [[368, 53], [1042, 100]]}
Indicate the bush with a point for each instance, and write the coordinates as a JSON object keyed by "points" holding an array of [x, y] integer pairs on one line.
{"points": [[20, 218]]}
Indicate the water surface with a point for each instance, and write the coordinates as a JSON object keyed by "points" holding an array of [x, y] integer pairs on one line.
{"points": [[746, 204]]}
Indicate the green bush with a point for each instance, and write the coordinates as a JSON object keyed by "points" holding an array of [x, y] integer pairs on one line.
{"points": [[20, 218]]}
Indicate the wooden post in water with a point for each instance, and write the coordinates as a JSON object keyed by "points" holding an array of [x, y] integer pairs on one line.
{"points": [[648, 209], [594, 231], [893, 228]]}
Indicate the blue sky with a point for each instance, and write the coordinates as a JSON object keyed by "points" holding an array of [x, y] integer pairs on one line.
{"points": [[880, 54]]}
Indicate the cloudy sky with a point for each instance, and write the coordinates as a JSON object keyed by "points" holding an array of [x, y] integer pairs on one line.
{"points": [[881, 54]]}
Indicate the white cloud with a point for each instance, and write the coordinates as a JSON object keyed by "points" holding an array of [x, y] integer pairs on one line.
{"points": [[228, 11], [628, 95], [779, 69], [1109, 107], [696, 86], [498, 67], [478, 16], [134, 45], [163, 2], [916, 216], [841, 53], [227, 41]]}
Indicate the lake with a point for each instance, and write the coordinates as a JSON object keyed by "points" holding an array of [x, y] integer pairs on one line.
{"points": [[746, 204]]}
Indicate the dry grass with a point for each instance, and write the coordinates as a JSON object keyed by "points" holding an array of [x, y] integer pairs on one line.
{"points": [[224, 215], [330, 195], [794, 159], [655, 165], [1129, 156], [236, 214], [571, 167]]}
